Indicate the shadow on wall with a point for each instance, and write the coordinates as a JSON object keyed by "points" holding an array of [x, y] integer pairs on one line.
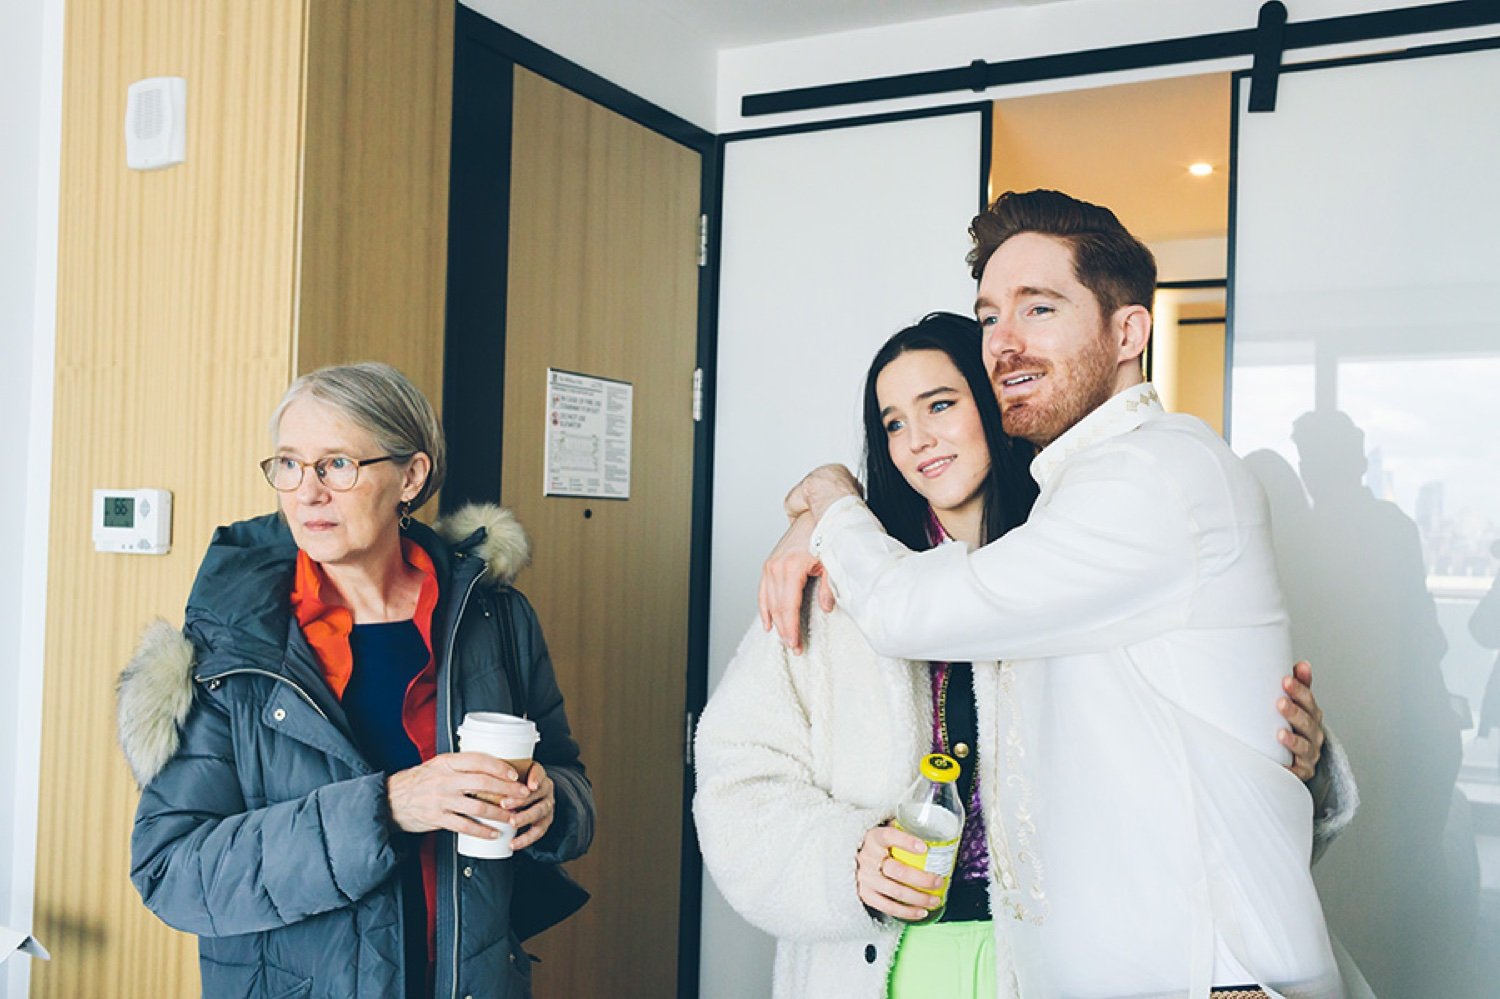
{"points": [[1485, 627], [65, 932], [1401, 886]]}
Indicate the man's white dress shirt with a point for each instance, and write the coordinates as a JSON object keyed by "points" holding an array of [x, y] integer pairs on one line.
{"points": [[1153, 842]]}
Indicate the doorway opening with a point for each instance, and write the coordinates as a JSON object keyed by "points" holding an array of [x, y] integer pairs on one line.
{"points": [[1157, 154]]}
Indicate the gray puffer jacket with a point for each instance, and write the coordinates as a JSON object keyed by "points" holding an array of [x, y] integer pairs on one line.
{"points": [[263, 830]]}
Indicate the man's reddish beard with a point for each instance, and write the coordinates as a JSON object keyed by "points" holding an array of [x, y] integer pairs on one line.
{"points": [[1079, 386]]}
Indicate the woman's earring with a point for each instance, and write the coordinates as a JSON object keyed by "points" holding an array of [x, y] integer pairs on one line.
{"points": [[404, 508]]}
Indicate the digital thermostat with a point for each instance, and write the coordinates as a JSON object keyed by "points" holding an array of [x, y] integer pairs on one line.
{"points": [[137, 521]]}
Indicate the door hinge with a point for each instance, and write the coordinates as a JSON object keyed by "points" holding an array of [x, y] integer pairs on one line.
{"points": [[697, 395], [703, 240], [687, 743]]}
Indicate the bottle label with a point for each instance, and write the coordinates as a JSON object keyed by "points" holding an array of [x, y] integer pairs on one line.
{"points": [[939, 858]]}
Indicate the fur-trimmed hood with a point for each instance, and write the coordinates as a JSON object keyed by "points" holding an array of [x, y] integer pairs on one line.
{"points": [[240, 605], [503, 546]]}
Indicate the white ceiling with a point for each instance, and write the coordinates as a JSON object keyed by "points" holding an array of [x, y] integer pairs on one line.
{"points": [[734, 23]]}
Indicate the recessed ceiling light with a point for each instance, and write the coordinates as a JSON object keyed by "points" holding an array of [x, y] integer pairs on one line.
{"points": [[1201, 169]]}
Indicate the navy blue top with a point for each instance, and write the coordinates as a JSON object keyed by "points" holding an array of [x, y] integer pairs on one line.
{"points": [[387, 657]]}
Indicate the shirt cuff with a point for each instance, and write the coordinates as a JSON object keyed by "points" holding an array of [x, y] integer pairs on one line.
{"points": [[844, 511]]}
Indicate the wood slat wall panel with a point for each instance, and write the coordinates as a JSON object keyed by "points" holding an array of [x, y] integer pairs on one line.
{"points": [[181, 294], [603, 280], [173, 340], [375, 208]]}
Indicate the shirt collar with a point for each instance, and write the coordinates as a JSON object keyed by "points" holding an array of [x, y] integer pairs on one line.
{"points": [[326, 624], [1121, 414]]}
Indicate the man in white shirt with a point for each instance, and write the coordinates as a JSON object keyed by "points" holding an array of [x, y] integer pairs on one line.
{"points": [[1139, 613]]}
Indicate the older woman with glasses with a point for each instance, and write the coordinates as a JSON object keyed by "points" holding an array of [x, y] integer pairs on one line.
{"points": [[295, 742]]}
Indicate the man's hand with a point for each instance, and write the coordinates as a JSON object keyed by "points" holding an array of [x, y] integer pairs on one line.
{"points": [[1300, 708], [443, 794], [819, 490], [783, 579], [892, 886]]}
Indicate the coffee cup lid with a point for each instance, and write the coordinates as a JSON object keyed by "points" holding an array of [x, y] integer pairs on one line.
{"points": [[495, 723]]}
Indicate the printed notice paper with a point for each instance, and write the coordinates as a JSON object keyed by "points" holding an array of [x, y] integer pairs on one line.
{"points": [[588, 436]]}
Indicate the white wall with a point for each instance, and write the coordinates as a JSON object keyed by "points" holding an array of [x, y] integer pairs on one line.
{"points": [[31, 80], [634, 45], [1000, 35]]}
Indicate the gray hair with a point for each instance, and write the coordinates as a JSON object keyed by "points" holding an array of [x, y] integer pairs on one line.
{"points": [[382, 401]]}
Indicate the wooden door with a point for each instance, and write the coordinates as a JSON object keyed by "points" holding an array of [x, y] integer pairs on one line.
{"points": [[603, 281]]}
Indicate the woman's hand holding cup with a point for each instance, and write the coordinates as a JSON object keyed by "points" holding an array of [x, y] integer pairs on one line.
{"points": [[529, 806], [509, 741], [450, 791]]}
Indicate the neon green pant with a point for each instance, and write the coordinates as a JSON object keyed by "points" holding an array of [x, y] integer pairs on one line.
{"points": [[945, 961]]}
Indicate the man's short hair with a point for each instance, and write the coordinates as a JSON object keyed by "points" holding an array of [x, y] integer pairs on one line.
{"points": [[1107, 259]]}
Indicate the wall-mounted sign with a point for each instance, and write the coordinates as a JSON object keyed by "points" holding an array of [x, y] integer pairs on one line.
{"points": [[588, 436]]}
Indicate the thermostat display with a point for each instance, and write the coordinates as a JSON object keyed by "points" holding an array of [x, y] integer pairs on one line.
{"points": [[135, 521], [119, 511]]}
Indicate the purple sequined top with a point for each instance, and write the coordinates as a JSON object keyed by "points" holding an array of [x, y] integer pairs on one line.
{"points": [[973, 855]]}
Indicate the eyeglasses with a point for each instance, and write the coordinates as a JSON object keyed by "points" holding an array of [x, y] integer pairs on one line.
{"points": [[338, 472]]}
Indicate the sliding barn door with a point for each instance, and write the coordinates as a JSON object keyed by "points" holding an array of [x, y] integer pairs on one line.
{"points": [[1366, 358], [603, 280]]}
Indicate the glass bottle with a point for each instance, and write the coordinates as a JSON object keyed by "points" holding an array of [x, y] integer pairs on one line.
{"points": [[930, 810]]}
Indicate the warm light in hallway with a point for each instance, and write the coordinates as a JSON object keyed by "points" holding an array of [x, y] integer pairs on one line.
{"points": [[1201, 169]]}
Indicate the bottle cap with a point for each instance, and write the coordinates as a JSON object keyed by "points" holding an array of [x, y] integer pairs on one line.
{"points": [[939, 767]]}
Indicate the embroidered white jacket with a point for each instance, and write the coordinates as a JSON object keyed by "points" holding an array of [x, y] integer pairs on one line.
{"points": [[1140, 612]]}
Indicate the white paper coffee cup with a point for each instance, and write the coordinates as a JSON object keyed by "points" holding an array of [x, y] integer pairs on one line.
{"points": [[504, 737]]}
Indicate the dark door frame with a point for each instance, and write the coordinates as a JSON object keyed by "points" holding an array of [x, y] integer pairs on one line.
{"points": [[484, 58]]}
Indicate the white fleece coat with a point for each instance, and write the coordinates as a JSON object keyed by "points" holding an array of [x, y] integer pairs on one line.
{"points": [[797, 757]]}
